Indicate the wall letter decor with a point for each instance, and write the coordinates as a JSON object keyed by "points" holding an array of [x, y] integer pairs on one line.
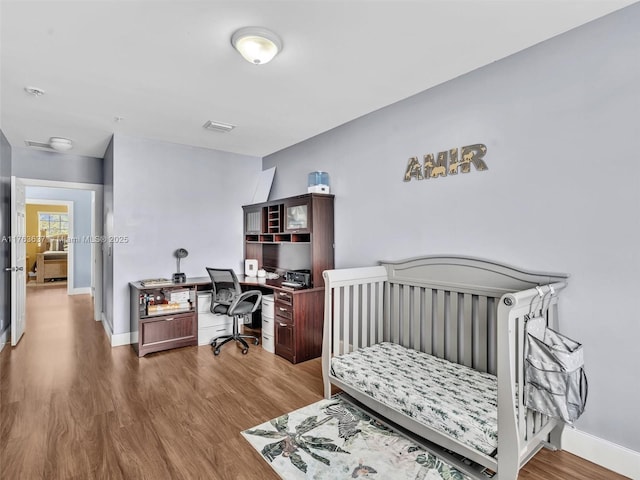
{"points": [[448, 163]]}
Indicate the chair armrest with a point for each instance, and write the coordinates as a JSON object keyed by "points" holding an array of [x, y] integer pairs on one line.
{"points": [[244, 297]]}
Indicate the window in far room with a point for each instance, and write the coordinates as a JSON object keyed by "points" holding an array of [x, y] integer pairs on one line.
{"points": [[52, 225]]}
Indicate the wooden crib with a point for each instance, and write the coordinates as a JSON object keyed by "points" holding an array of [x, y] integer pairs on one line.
{"points": [[468, 311]]}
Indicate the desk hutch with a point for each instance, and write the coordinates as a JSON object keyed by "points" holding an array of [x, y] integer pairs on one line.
{"points": [[300, 230]]}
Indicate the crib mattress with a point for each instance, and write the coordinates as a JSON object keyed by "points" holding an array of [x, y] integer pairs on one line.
{"points": [[456, 400]]}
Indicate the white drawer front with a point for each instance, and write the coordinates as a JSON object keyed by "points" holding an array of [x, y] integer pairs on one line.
{"points": [[267, 342], [206, 335], [268, 325], [210, 320], [204, 302], [267, 305]]}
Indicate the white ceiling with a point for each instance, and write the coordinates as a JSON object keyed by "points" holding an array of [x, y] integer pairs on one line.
{"points": [[166, 67]]}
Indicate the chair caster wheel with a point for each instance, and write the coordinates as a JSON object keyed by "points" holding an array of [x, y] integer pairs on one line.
{"points": [[256, 342], [245, 351], [216, 351]]}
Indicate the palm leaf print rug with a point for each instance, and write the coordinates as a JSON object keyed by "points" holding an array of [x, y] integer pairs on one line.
{"points": [[333, 439]]}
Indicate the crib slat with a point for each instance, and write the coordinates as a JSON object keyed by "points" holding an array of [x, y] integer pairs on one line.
{"points": [[390, 325], [380, 312], [440, 325], [427, 325], [492, 336], [452, 331], [416, 319], [346, 319], [337, 303], [365, 315], [465, 333], [406, 320], [357, 319], [481, 342]]}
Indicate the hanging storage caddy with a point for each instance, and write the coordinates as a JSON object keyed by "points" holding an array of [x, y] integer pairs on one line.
{"points": [[556, 383]]}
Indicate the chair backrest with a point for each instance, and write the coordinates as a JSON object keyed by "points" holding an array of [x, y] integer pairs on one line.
{"points": [[225, 285]]}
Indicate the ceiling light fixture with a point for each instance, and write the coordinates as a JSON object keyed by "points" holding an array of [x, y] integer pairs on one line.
{"points": [[257, 45], [60, 144]]}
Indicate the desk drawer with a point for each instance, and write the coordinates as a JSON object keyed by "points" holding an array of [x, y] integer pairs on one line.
{"points": [[268, 342], [207, 334], [267, 305], [268, 325], [283, 297], [167, 329], [284, 313], [206, 319]]}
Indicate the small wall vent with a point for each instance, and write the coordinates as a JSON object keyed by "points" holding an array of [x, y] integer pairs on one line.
{"points": [[218, 126]]}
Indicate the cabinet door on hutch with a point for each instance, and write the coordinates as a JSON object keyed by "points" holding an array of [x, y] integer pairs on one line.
{"points": [[253, 229], [297, 215], [253, 219]]}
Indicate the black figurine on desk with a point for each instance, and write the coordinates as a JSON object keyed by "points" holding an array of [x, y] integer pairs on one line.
{"points": [[180, 277]]}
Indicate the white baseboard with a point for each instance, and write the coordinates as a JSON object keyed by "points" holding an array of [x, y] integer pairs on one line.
{"points": [[602, 452], [116, 340], [121, 339], [79, 291]]}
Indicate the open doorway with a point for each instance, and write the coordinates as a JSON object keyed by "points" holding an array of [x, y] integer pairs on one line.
{"points": [[50, 255], [72, 239]]}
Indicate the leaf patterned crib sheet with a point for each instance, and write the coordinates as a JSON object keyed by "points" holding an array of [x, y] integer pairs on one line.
{"points": [[451, 398]]}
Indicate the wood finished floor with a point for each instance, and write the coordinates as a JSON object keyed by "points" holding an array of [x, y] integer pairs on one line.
{"points": [[72, 407]]}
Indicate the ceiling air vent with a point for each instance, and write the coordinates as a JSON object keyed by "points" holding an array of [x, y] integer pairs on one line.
{"points": [[29, 143], [218, 127]]}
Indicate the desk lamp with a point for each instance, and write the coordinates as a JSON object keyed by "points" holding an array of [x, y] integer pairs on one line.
{"points": [[180, 277]]}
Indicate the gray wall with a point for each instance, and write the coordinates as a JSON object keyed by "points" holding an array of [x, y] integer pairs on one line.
{"points": [[560, 121], [62, 167], [5, 232], [168, 196], [81, 227]]}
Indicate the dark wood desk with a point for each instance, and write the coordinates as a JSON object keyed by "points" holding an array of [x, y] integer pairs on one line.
{"points": [[298, 317]]}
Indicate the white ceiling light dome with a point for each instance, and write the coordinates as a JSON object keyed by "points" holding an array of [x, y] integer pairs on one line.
{"points": [[60, 144], [257, 45]]}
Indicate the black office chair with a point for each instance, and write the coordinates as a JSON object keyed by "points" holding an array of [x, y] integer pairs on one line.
{"points": [[229, 299]]}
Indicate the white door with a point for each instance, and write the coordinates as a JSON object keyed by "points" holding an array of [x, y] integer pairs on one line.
{"points": [[18, 260]]}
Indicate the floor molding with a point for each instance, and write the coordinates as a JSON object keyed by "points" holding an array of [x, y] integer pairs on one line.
{"points": [[121, 339], [602, 452], [80, 291], [116, 340]]}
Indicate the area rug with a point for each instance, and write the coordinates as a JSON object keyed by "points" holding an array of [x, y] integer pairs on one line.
{"points": [[333, 439]]}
